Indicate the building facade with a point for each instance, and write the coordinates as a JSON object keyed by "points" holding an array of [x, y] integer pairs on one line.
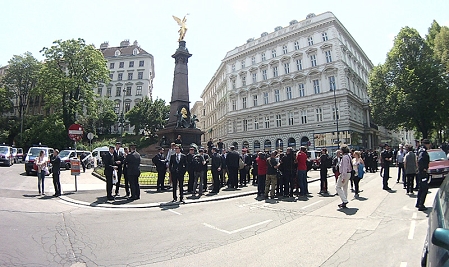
{"points": [[298, 85], [131, 79]]}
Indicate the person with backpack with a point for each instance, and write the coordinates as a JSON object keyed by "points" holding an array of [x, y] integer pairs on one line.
{"points": [[357, 171], [325, 162]]}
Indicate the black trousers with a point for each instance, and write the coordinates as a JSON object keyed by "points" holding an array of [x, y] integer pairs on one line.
{"points": [[221, 177], [356, 183], [135, 187], [233, 176], [160, 179], [287, 178], [119, 177], [56, 183], [190, 181], [401, 173], [178, 179], [109, 185], [205, 179], [243, 174], [323, 179], [423, 188], [409, 183], [127, 183], [386, 177], [215, 181]]}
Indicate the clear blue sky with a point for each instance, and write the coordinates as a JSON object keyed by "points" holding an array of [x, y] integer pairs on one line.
{"points": [[214, 27]]}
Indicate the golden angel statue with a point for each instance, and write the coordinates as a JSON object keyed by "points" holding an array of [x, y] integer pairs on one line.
{"points": [[183, 29]]}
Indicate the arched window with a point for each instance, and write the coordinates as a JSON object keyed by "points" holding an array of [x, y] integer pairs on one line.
{"points": [[279, 144], [305, 141], [256, 146], [292, 143], [267, 145], [236, 145], [245, 144]]}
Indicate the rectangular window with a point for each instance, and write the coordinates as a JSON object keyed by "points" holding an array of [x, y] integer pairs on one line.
{"points": [[234, 105], [244, 80], [117, 107], [335, 113], [316, 86], [328, 56], [332, 86], [275, 71], [256, 124], [109, 91], [254, 77], [303, 116], [288, 90], [244, 102], [265, 97], [243, 64], [290, 118], [313, 60], [127, 106], [128, 91], [273, 53], [253, 60], [301, 90], [121, 65], [255, 100], [276, 95], [278, 120], [141, 63], [118, 91], [296, 45], [233, 67], [267, 122], [324, 35], [284, 49], [140, 75], [299, 64], [263, 57], [139, 90], [100, 91], [310, 40], [130, 76], [120, 76], [111, 76], [245, 125], [111, 65], [264, 74], [131, 64], [287, 68], [319, 114]]}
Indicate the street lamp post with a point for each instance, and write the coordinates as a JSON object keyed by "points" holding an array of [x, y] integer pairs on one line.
{"points": [[336, 117], [122, 116]]}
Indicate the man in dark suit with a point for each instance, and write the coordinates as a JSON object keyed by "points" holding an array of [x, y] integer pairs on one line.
{"points": [[190, 170], [56, 170], [232, 163], [118, 158], [205, 167], [109, 163], [178, 167], [133, 163], [216, 165], [160, 162], [244, 172]]}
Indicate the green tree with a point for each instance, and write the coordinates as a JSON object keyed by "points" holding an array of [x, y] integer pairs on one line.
{"points": [[441, 47], [148, 115], [47, 130], [410, 89], [71, 71], [432, 33], [6, 104], [101, 119]]}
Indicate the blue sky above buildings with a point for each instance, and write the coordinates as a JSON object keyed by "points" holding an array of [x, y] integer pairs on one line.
{"points": [[214, 27]]}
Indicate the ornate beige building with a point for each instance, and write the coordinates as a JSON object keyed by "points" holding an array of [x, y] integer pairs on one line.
{"points": [[298, 85]]}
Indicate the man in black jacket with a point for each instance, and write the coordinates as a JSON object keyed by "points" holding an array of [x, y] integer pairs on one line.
{"points": [[133, 164], [387, 156], [232, 163], [423, 176], [243, 172], [109, 164], [216, 165], [56, 170], [118, 158], [190, 169], [161, 167], [289, 167], [178, 167]]}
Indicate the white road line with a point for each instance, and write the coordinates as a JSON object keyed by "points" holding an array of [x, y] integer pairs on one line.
{"points": [[237, 230], [403, 264], [175, 212], [305, 207], [412, 226]]}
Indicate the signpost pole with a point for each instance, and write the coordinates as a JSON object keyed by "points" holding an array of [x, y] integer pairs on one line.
{"points": [[75, 133]]}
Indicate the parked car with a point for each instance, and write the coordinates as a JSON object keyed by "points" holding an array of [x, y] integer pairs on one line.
{"points": [[20, 156], [436, 245], [33, 152], [6, 156], [68, 154], [439, 164]]}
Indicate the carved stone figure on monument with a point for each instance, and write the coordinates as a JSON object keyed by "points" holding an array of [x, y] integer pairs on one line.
{"points": [[193, 121]]}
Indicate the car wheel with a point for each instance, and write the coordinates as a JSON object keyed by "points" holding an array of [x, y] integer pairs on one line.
{"points": [[67, 166]]}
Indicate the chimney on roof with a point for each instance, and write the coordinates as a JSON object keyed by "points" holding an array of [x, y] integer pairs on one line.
{"points": [[136, 43], [124, 43], [104, 45]]}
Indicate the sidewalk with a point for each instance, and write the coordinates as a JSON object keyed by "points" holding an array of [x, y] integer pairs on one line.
{"points": [[92, 192]]}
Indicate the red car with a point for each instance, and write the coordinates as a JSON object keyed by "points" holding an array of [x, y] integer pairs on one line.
{"points": [[439, 164]]}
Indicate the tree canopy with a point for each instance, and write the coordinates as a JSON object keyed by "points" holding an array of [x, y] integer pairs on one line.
{"points": [[148, 115]]}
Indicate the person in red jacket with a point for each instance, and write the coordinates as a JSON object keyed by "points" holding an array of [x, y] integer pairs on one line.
{"points": [[261, 173], [301, 158]]}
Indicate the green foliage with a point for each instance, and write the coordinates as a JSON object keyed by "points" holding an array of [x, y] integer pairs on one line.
{"points": [[71, 71], [148, 115], [101, 119], [47, 130], [441, 47], [5, 100], [432, 33], [410, 89]]}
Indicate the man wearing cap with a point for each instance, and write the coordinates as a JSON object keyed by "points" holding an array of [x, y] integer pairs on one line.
{"points": [[160, 162], [178, 167], [118, 158], [216, 164], [423, 176], [232, 163], [386, 156], [243, 172], [400, 161], [109, 165], [133, 163], [56, 170]]}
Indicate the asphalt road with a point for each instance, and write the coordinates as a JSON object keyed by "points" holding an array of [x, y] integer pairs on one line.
{"points": [[379, 229]]}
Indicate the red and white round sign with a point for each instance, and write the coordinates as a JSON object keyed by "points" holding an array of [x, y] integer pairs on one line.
{"points": [[76, 132]]}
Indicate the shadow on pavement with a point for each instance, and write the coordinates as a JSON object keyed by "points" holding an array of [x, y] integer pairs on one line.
{"points": [[361, 198], [349, 211]]}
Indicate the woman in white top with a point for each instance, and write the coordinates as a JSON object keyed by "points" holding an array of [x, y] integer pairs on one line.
{"points": [[356, 161], [343, 178], [41, 163]]}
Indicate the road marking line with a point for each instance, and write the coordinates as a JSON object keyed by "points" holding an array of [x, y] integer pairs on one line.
{"points": [[305, 207], [237, 230], [412, 226], [403, 264], [175, 212]]}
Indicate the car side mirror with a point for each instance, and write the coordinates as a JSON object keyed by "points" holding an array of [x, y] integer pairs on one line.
{"points": [[440, 238]]}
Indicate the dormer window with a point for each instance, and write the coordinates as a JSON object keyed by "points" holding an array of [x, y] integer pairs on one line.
{"points": [[135, 51], [117, 53]]}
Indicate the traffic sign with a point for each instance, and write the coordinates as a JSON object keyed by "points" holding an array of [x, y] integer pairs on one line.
{"points": [[76, 132], [90, 136]]}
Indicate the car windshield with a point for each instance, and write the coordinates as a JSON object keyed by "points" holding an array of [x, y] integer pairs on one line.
{"points": [[34, 151], [64, 153], [437, 155], [14, 150], [20, 151], [3, 150]]}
